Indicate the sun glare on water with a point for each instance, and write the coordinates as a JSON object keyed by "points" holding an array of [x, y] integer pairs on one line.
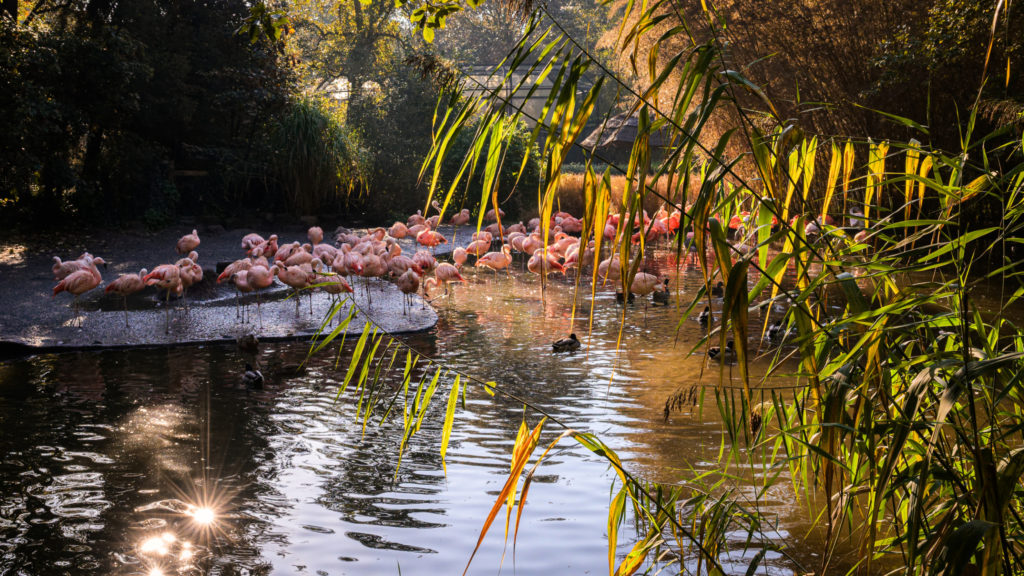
{"points": [[204, 516]]}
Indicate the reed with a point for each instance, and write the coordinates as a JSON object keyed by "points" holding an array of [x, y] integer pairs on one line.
{"points": [[908, 418]]}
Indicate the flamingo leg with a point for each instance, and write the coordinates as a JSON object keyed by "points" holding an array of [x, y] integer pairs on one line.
{"points": [[125, 298], [167, 313], [259, 311]]}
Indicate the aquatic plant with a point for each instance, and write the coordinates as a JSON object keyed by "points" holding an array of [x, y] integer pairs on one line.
{"points": [[904, 431]]}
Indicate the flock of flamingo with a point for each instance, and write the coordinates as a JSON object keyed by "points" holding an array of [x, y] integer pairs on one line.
{"points": [[377, 254]]}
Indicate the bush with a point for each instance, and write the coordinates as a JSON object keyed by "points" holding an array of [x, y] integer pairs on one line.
{"points": [[317, 161]]}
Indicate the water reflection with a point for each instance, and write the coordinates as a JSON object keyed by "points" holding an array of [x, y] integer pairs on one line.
{"points": [[155, 461]]}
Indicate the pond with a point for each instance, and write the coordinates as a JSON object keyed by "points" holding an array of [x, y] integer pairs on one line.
{"points": [[155, 461]]}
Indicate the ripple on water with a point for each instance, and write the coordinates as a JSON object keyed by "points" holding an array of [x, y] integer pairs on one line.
{"points": [[130, 451]]}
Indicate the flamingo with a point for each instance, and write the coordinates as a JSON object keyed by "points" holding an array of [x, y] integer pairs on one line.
{"points": [[326, 253], [459, 256], [315, 235], [188, 243], [429, 285], [250, 241], [491, 217], [298, 279], [258, 278], [299, 257], [335, 285], [425, 260], [165, 277], [543, 263], [643, 284], [610, 268], [430, 238], [496, 260], [229, 272], [457, 220], [415, 229], [478, 247], [80, 281], [408, 283], [265, 248], [416, 219], [495, 229], [190, 273], [447, 273], [285, 251], [124, 285], [398, 265], [62, 270], [398, 230], [461, 218]]}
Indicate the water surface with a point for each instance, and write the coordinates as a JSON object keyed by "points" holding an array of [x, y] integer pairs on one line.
{"points": [[113, 457]]}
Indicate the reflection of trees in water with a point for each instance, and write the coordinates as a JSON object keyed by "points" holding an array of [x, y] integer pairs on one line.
{"points": [[90, 437]]}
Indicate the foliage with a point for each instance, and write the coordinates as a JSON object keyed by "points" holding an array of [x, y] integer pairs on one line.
{"points": [[316, 159], [908, 417], [106, 100]]}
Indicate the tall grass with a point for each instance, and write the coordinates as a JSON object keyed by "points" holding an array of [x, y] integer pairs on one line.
{"points": [[572, 193], [908, 416], [317, 159]]}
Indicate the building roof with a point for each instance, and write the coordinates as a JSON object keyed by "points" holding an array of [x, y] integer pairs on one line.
{"points": [[618, 131]]}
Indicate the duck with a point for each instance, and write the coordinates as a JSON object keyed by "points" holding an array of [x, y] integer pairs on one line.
{"points": [[252, 379], [566, 344], [718, 289], [706, 318], [661, 296], [620, 297], [248, 343], [776, 330], [725, 355]]}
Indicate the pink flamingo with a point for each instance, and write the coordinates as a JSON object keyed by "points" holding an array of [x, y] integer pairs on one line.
{"points": [[430, 238], [267, 247], [542, 263], [315, 235], [447, 273], [425, 260], [457, 220], [398, 230], [80, 281], [299, 257], [298, 279], [496, 260], [229, 272], [250, 241], [416, 219], [125, 285], [408, 283], [259, 278], [188, 243], [285, 251], [61, 270], [459, 256], [165, 277]]}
